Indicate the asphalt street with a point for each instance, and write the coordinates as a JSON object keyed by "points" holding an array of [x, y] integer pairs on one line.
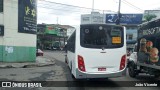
{"points": [[59, 56], [61, 72]]}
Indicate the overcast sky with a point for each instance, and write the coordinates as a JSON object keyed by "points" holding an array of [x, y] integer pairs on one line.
{"points": [[54, 11]]}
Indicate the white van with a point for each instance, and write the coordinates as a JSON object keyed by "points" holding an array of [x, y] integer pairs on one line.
{"points": [[97, 51]]}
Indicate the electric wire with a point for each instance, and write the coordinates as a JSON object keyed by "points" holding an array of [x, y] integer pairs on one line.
{"points": [[71, 6], [126, 2]]}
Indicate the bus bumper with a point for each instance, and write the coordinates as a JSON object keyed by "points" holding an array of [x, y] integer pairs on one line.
{"points": [[86, 75]]}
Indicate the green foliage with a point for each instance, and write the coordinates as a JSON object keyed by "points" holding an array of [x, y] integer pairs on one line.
{"points": [[149, 17]]}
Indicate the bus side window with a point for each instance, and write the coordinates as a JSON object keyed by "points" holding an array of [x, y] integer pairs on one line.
{"points": [[74, 41], [71, 43]]}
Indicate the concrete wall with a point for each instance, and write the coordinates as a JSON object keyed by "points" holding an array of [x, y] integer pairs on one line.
{"points": [[1, 18], [15, 46]]}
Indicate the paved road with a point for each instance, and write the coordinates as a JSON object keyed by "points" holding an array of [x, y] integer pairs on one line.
{"points": [[60, 72], [59, 56]]}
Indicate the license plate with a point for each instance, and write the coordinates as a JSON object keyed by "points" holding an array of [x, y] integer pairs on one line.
{"points": [[101, 69]]}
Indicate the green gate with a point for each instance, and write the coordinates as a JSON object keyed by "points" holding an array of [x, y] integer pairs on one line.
{"points": [[1, 53]]}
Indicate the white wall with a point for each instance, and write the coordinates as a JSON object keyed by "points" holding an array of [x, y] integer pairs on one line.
{"points": [[1, 40], [1, 18], [1, 23]]}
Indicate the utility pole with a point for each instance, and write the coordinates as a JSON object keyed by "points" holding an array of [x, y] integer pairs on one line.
{"points": [[119, 13], [57, 20], [58, 32], [93, 6]]}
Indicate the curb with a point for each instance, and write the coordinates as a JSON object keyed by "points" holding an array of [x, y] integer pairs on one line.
{"points": [[26, 65], [37, 65], [6, 66]]}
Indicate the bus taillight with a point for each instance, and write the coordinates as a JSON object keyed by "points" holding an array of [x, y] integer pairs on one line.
{"points": [[123, 62], [81, 65]]}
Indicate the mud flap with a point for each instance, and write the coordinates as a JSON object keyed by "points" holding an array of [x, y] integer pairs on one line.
{"points": [[124, 72]]}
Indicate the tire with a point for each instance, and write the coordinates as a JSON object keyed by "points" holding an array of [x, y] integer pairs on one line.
{"points": [[131, 70], [71, 73], [156, 76], [73, 77], [66, 61]]}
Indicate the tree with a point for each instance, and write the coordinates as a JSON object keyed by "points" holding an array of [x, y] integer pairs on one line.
{"points": [[149, 17]]}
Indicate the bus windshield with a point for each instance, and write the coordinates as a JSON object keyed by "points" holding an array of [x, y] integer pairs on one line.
{"points": [[98, 36]]}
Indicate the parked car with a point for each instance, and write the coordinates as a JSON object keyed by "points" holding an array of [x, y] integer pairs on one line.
{"points": [[58, 46], [39, 52], [48, 48], [55, 48]]}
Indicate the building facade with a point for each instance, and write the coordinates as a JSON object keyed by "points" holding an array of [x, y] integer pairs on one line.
{"points": [[152, 12], [130, 21], [53, 35], [93, 18], [131, 36], [18, 30]]}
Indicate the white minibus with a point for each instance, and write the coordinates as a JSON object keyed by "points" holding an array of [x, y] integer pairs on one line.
{"points": [[97, 51]]}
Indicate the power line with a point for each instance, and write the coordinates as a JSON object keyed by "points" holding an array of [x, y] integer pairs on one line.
{"points": [[60, 10], [59, 7], [128, 3], [75, 6], [133, 7], [65, 4]]}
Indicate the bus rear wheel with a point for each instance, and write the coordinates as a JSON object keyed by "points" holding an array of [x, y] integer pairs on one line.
{"points": [[131, 70], [66, 61], [156, 76], [73, 77]]}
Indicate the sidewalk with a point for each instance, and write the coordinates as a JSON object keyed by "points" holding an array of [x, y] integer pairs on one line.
{"points": [[40, 62]]}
